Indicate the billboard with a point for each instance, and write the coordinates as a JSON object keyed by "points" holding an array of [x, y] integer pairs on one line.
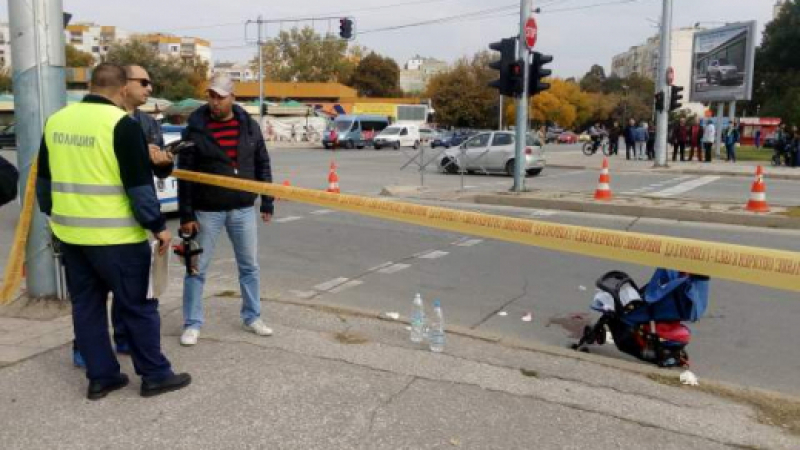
{"points": [[722, 63]]}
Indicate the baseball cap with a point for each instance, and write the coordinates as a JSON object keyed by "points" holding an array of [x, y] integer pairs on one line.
{"points": [[222, 85]]}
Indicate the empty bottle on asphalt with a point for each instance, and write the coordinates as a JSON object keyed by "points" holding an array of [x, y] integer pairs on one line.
{"points": [[417, 320], [436, 329]]}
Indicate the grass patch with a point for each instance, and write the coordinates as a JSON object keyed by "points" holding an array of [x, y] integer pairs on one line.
{"points": [[350, 338], [792, 211], [750, 153], [770, 410]]}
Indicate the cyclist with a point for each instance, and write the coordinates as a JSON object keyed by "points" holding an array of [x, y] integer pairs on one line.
{"points": [[596, 133]]}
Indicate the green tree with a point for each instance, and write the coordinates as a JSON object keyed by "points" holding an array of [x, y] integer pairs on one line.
{"points": [[462, 96], [77, 58], [376, 76], [6, 83], [777, 73], [594, 80], [173, 78], [302, 55]]}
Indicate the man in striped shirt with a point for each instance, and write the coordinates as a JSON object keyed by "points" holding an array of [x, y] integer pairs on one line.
{"points": [[227, 142]]}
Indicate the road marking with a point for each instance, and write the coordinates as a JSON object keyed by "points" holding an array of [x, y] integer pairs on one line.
{"points": [[542, 213], [394, 268], [287, 219], [330, 284], [469, 243], [321, 212], [305, 295], [381, 266], [435, 254], [686, 186], [348, 285]]}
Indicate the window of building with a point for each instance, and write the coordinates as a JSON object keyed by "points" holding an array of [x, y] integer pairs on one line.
{"points": [[95, 49]]}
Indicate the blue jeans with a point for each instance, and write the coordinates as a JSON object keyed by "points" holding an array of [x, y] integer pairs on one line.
{"points": [[240, 225]]}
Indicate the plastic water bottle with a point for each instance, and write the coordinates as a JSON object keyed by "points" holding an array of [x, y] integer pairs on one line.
{"points": [[417, 320], [436, 330]]}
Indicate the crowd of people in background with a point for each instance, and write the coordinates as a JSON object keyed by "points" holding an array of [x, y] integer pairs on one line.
{"points": [[690, 139]]}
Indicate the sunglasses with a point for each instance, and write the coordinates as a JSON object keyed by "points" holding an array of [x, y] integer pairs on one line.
{"points": [[144, 82]]}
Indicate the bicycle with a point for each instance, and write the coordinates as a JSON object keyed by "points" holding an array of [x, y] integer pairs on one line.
{"points": [[590, 148]]}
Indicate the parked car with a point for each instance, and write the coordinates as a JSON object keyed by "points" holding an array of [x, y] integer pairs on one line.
{"points": [[446, 139], [720, 71], [426, 135], [493, 152], [354, 131], [397, 136], [553, 134], [568, 137], [8, 137]]}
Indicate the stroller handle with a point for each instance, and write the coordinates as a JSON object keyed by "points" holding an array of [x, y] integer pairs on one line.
{"points": [[612, 283]]}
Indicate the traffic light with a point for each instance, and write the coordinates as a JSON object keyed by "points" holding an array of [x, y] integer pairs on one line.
{"points": [[660, 101], [538, 72], [506, 65], [675, 98], [346, 28]]}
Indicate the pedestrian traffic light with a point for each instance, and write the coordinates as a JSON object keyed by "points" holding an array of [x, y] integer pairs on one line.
{"points": [[538, 72], [506, 66], [660, 101], [675, 98], [346, 28]]}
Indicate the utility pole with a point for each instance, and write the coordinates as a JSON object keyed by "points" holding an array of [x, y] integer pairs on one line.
{"points": [[37, 48], [522, 102], [260, 76], [662, 117], [718, 130]]}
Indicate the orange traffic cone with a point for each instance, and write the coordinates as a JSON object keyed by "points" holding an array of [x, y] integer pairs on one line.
{"points": [[333, 179], [758, 194], [285, 184], [603, 191]]}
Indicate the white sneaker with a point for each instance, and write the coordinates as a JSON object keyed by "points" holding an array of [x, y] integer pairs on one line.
{"points": [[189, 336], [258, 327]]}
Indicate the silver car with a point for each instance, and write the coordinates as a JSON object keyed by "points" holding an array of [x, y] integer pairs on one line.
{"points": [[493, 152]]}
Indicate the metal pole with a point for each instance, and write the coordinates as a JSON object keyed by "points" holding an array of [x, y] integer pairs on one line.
{"points": [[662, 117], [718, 130], [522, 102], [422, 164], [260, 77], [37, 48], [500, 114]]}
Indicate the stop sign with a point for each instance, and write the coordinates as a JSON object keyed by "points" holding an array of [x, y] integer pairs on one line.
{"points": [[531, 32]]}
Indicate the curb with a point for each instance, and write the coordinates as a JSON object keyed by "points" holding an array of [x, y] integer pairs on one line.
{"points": [[654, 212]]}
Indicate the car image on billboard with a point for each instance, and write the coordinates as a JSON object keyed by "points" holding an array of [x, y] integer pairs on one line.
{"points": [[723, 63]]}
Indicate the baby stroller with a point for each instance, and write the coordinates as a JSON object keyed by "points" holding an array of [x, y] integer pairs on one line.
{"points": [[646, 322]]}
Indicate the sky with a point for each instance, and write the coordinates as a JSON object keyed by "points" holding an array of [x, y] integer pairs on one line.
{"points": [[578, 33]]}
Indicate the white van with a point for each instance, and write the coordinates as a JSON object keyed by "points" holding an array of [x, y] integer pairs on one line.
{"points": [[397, 135]]}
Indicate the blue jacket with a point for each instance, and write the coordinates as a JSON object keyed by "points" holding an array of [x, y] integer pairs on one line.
{"points": [[641, 134]]}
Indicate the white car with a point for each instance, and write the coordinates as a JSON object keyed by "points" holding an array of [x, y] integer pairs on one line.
{"points": [[396, 136], [167, 189], [493, 151]]}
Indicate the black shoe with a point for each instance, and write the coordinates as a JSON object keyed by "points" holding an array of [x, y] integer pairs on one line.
{"points": [[171, 383], [98, 390]]}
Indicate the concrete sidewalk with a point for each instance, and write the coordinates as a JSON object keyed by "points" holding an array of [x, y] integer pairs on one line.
{"points": [[332, 378], [577, 160]]}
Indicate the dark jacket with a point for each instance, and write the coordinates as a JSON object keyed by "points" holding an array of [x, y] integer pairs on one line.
{"points": [[150, 127], [630, 134], [680, 134], [207, 156], [614, 133], [9, 177]]}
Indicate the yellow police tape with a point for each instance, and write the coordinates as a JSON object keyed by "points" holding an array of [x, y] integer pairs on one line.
{"points": [[752, 265], [14, 271]]}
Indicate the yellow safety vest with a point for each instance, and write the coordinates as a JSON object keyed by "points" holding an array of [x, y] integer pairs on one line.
{"points": [[90, 206]]}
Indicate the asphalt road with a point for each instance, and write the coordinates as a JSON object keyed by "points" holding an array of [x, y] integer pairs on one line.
{"points": [[747, 336]]}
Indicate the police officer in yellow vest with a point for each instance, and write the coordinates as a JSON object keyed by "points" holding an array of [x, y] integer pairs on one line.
{"points": [[96, 184]]}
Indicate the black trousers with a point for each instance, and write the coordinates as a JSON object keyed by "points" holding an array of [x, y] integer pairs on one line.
{"points": [[613, 146], [630, 150], [92, 273], [707, 146], [679, 146]]}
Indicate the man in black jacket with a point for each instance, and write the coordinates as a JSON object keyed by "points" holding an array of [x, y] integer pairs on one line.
{"points": [[227, 142]]}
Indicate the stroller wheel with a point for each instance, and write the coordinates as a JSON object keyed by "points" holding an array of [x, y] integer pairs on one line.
{"points": [[600, 337], [574, 347], [587, 335]]}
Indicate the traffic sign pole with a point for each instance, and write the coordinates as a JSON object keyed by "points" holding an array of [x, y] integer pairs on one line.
{"points": [[522, 102], [662, 117]]}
